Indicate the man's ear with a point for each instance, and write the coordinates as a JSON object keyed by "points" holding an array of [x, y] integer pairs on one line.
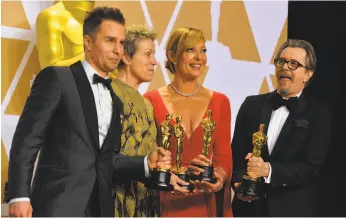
{"points": [[308, 75], [87, 42]]}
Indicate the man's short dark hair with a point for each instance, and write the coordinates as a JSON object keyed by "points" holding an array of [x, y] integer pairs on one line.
{"points": [[95, 17]]}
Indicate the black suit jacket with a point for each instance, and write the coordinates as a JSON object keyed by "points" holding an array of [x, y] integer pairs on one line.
{"points": [[60, 120], [295, 160]]}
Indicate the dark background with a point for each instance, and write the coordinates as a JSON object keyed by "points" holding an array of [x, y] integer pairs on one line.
{"points": [[323, 24]]}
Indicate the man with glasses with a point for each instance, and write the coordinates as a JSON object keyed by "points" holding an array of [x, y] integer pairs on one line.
{"points": [[298, 131]]}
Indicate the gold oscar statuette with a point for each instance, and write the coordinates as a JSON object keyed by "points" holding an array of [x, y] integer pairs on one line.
{"points": [[250, 184], [208, 127], [180, 171], [160, 179]]}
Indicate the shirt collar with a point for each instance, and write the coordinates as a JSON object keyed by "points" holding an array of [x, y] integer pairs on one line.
{"points": [[298, 95], [90, 71]]}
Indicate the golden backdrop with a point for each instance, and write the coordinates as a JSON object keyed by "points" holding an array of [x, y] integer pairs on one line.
{"points": [[234, 35]]}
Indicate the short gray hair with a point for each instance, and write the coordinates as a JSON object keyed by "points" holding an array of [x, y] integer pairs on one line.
{"points": [[134, 34], [310, 60]]}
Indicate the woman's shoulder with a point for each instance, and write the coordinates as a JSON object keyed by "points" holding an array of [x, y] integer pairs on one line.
{"points": [[124, 91], [217, 97], [118, 87], [150, 94], [221, 96], [155, 94]]}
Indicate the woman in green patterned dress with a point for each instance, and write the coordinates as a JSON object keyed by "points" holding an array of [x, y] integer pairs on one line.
{"points": [[139, 129]]}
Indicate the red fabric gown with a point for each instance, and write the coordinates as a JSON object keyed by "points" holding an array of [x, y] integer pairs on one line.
{"points": [[199, 204]]}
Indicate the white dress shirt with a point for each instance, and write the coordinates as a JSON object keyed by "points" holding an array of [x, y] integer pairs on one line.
{"points": [[104, 108], [277, 120], [103, 102]]}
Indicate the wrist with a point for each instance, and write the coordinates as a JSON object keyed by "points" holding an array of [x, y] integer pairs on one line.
{"points": [[221, 172], [266, 169], [149, 163]]}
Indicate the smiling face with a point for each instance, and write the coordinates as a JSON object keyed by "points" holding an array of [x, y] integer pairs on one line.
{"points": [[186, 52], [192, 62], [291, 82]]}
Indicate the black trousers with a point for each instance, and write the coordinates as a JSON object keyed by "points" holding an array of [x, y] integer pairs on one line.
{"points": [[256, 208], [93, 207]]}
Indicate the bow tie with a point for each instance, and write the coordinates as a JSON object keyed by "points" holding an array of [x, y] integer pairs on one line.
{"points": [[276, 101], [105, 82]]}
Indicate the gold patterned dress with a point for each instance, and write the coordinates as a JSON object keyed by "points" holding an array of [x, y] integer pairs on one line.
{"points": [[138, 139]]}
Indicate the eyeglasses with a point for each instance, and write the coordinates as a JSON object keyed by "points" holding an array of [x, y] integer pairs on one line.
{"points": [[292, 65]]}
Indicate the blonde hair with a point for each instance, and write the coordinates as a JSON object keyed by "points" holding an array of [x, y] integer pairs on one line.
{"points": [[179, 41], [134, 34]]}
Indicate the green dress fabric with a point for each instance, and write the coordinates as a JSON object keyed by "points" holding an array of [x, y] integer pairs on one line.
{"points": [[138, 138]]}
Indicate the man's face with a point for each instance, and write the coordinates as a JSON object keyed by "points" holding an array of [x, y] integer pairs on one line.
{"points": [[106, 47], [290, 81]]}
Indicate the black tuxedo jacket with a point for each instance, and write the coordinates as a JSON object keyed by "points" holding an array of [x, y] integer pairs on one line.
{"points": [[295, 159], [60, 120]]}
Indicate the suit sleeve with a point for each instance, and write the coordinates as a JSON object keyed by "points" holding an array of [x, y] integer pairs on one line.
{"points": [[305, 170], [30, 132], [238, 143], [127, 168]]}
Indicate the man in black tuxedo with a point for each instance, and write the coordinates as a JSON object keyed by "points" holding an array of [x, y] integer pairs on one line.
{"points": [[298, 131], [73, 118]]}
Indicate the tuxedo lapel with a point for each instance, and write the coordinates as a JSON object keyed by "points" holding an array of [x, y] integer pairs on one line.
{"points": [[266, 113], [118, 123], [287, 127], [88, 101]]}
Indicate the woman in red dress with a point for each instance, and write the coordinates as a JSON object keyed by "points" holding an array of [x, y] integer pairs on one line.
{"points": [[186, 54]]}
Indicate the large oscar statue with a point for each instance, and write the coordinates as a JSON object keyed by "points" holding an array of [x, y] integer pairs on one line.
{"points": [[250, 184], [180, 171], [160, 179], [208, 127], [59, 33]]}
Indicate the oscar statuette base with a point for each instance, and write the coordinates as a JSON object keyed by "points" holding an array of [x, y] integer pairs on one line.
{"points": [[207, 175], [160, 180], [250, 187], [183, 175]]}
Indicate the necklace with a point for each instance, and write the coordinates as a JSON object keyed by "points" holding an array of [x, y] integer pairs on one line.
{"points": [[185, 94]]}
